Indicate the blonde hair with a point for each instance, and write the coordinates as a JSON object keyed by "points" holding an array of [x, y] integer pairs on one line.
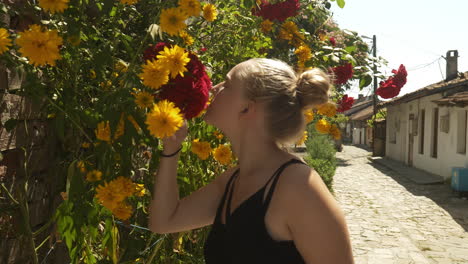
{"points": [[286, 94]]}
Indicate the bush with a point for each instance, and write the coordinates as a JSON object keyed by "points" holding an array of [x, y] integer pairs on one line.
{"points": [[321, 155]]}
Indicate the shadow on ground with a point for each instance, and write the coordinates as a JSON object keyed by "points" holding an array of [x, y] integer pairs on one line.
{"points": [[441, 193]]}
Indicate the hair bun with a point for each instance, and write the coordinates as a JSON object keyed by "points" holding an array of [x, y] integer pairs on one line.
{"points": [[312, 88]]}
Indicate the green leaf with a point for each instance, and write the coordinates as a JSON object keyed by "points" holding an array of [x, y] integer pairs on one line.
{"points": [[350, 49], [341, 3], [365, 80]]}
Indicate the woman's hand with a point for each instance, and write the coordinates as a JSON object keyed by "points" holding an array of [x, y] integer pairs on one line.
{"points": [[173, 143]]}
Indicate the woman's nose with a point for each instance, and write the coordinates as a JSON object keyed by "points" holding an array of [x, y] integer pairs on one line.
{"points": [[216, 89]]}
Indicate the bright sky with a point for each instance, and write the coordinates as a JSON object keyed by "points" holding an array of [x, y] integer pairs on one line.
{"points": [[415, 33]]}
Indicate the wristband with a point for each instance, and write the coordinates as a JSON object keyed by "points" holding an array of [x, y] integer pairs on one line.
{"points": [[170, 155]]}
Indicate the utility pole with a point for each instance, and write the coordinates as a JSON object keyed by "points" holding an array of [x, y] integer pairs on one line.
{"points": [[374, 48]]}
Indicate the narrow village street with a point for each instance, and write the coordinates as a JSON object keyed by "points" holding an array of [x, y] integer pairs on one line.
{"points": [[394, 220]]}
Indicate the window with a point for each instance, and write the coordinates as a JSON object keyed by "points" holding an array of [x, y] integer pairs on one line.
{"points": [[421, 134], [435, 132], [461, 131]]}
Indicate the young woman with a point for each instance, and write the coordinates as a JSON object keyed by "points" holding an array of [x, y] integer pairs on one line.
{"points": [[272, 207]]}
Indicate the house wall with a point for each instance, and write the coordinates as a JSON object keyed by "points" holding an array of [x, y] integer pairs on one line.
{"points": [[447, 142]]}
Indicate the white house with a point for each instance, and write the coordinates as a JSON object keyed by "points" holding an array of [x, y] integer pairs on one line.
{"points": [[427, 128]]}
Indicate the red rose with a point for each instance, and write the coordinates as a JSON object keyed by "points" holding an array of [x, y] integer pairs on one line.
{"points": [[345, 103], [189, 93], [343, 73], [332, 41], [151, 52], [392, 86], [279, 11]]}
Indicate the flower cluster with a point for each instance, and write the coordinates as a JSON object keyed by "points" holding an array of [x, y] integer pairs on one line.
{"points": [[201, 148], [343, 73], [345, 103], [289, 31], [112, 195], [279, 11], [170, 61], [324, 127], [303, 54], [327, 109], [172, 20], [309, 115], [188, 92], [54, 6], [392, 86]]}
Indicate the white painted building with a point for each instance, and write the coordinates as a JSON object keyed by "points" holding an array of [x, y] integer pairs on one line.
{"points": [[428, 128]]}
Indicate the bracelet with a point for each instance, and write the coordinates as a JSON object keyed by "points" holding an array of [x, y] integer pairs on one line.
{"points": [[170, 155]]}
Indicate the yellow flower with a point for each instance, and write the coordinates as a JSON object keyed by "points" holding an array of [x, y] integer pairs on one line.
{"points": [[302, 139], [103, 131], [309, 115], [128, 2], [140, 189], [323, 126], [121, 66], [134, 123], [122, 211], [164, 119], [209, 12], [54, 5], [5, 41], [108, 196], [174, 59], [202, 149], [218, 135], [191, 7], [92, 74], [144, 99], [40, 47], [303, 53], [81, 165], [154, 75], [335, 132], [188, 40], [327, 109], [222, 154], [124, 186], [85, 145], [172, 21], [266, 25], [322, 36], [288, 30], [119, 131], [93, 176]]}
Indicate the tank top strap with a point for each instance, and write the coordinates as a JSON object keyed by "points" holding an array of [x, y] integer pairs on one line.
{"points": [[275, 178], [226, 190]]}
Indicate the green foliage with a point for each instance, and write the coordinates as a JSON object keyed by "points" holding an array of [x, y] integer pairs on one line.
{"points": [[86, 87], [321, 155]]}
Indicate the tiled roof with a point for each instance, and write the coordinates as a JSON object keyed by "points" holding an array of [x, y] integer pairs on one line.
{"points": [[430, 89], [458, 99], [364, 114]]}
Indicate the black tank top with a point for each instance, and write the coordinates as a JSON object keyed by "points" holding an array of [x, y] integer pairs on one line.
{"points": [[244, 238]]}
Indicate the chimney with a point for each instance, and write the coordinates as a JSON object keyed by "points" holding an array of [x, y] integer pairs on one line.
{"points": [[452, 65]]}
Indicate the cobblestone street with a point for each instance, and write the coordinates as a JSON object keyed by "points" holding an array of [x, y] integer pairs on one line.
{"points": [[393, 220]]}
